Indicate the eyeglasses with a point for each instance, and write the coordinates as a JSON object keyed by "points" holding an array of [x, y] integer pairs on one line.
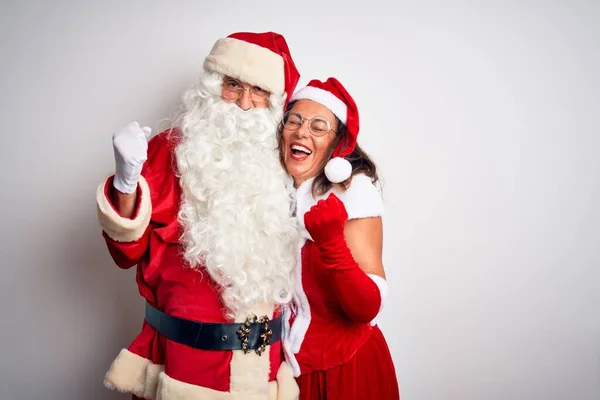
{"points": [[318, 126], [233, 90]]}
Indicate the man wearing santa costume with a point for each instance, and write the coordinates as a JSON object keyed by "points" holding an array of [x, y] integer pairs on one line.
{"points": [[203, 211]]}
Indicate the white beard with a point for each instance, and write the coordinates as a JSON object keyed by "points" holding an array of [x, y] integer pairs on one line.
{"points": [[236, 201]]}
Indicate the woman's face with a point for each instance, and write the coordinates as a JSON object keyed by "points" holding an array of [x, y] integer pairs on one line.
{"points": [[309, 131]]}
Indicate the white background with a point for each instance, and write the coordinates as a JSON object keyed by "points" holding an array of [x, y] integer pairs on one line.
{"points": [[482, 117]]}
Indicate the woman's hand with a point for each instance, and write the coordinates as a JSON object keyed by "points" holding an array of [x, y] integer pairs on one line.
{"points": [[326, 220]]}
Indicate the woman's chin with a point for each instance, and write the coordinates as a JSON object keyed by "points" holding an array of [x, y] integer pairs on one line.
{"points": [[299, 171], [293, 169]]}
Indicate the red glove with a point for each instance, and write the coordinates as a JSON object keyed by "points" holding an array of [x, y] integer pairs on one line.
{"points": [[357, 293]]}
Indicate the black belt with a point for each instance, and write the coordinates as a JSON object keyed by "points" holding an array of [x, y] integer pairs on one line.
{"points": [[254, 334]]}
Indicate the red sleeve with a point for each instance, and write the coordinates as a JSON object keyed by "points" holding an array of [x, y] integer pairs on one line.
{"points": [[127, 238], [125, 252]]}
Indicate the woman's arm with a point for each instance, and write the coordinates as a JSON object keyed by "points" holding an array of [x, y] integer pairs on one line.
{"points": [[358, 294], [364, 237]]}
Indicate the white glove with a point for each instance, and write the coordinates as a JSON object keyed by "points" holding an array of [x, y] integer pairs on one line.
{"points": [[130, 144]]}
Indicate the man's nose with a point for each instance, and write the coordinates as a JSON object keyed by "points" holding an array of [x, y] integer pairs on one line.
{"points": [[245, 101]]}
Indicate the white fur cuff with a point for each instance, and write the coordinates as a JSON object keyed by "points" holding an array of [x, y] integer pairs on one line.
{"points": [[383, 289], [130, 373], [119, 228]]}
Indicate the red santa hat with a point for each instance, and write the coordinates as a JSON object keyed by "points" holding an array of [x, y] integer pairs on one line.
{"points": [[260, 59], [336, 98]]}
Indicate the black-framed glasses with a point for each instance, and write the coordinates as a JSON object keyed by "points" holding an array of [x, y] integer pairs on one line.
{"points": [[317, 125]]}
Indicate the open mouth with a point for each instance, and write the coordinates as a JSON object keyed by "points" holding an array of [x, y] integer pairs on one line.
{"points": [[300, 152]]}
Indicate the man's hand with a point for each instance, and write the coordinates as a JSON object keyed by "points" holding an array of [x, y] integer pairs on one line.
{"points": [[130, 144]]}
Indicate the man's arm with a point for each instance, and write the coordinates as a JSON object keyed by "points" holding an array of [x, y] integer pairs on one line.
{"points": [[124, 206], [124, 203], [126, 236]]}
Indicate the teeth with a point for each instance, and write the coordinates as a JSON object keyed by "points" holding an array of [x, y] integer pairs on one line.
{"points": [[301, 148]]}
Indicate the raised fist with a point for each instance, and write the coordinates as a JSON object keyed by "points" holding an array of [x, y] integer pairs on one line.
{"points": [[326, 220], [130, 145]]}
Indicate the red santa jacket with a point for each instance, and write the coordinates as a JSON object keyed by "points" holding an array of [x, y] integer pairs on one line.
{"points": [[153, 366]]}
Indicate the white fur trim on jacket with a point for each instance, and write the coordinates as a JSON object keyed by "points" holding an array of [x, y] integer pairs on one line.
{"points": [[294, 335], [130, 373], [287, 387], [362, 200], [119, 228], [172, 389], [249, 376], [328, 99], [249, 373], [383, 289], [248, 62]]}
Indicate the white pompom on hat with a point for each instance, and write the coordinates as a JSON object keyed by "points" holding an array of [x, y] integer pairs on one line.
{"points": [[336, 98]]}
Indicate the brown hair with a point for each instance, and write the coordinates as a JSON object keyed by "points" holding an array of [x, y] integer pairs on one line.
{"points": [[359, 159]]}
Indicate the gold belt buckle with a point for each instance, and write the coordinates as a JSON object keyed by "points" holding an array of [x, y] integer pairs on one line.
{"points": [[265, 337]]}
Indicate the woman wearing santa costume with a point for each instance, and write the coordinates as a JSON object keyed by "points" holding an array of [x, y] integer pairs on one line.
{"points": [[203, 211], [332, 339]]}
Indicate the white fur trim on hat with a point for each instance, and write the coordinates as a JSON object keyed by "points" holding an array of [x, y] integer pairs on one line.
{"points": [[338, 169], [328, 99], [248, 62]]}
